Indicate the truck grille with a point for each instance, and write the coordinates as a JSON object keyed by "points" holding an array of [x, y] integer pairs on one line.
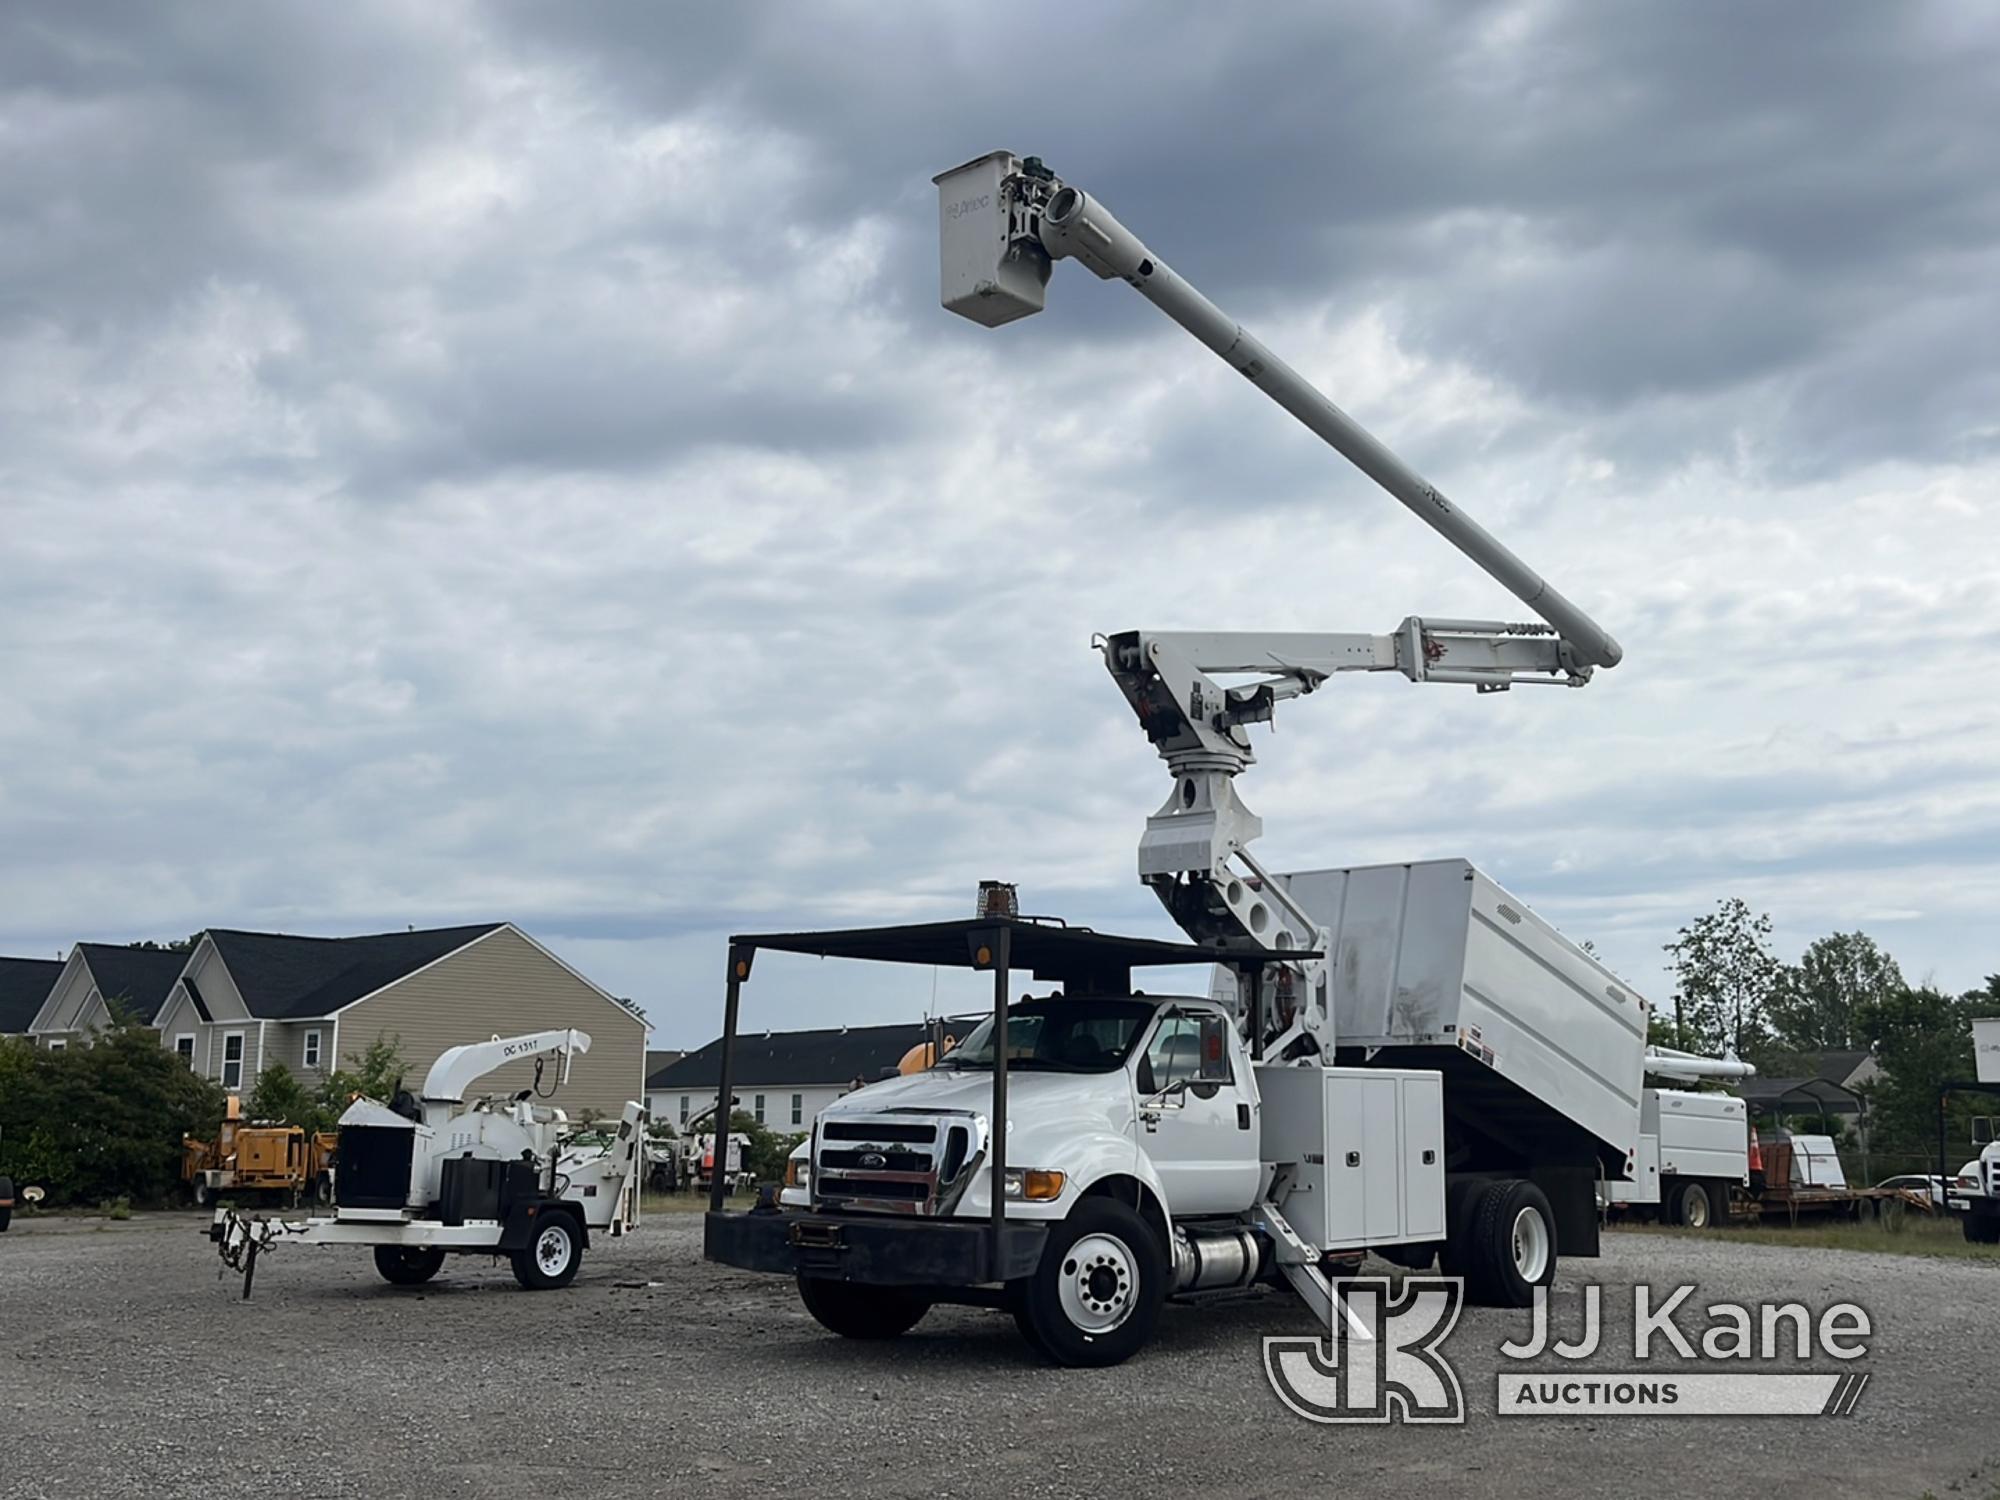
{"points": [[1993, 1178], [899, 1161]]}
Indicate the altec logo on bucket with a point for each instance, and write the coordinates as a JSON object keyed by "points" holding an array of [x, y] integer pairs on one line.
{"points": [[1382, 1359]]}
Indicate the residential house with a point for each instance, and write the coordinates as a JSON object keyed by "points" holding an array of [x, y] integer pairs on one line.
{"points": [[246, 1000], [24, 984], [657, 1059], [784, 1078], [96, 977]]}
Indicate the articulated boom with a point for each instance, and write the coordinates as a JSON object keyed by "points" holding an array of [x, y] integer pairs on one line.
{"points": [[1003, 223]]}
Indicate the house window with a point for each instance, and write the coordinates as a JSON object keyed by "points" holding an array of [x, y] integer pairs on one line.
{"points": [[798, 1109], [760, 1109], [184, 1047], [312, 1049], [58, 1044], [232, 1060], [684, 1109]]}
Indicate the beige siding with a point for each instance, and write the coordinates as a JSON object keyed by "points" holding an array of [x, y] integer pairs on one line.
{"points": [[285, 1042], [503, 985]]}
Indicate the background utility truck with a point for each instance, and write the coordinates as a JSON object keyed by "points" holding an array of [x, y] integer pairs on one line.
{"points": [[420, 1179], [1410, 1060], [1974, 1190]]}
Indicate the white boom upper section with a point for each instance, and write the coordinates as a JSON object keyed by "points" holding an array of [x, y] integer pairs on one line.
{"points": [[1003, 222], [458, 1067]]}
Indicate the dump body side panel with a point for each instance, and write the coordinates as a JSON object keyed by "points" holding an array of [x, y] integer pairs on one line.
{"points": [[1435, 954]]}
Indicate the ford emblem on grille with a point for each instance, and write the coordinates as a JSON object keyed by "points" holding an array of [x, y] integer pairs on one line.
{"points": [[874, 1160]]}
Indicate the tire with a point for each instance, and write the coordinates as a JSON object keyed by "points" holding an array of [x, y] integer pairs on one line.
{"points": [[1095, 1298], [1691, 1205], [552, 1255], [6, 1207], [1510, 1245], [402, 1266], [323, 1190], [1461, 1198], [202, 1194], [855, 1311], [1981, 1231], [1718, 1205]]}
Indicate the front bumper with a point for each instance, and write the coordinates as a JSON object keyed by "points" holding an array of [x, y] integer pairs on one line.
{"points": [[873, 1249]]}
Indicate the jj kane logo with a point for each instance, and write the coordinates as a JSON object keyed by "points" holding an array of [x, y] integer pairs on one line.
{"points": [[1382, 1358]]}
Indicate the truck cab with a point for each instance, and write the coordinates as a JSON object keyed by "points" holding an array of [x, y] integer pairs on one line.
{"points": [[1975, 1191], [1152, 1096]]}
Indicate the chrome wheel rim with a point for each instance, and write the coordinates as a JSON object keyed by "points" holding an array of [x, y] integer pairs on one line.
{"points": [[1694, 1210], [1099, 1283], [1531, 1246], [552, 1251]]}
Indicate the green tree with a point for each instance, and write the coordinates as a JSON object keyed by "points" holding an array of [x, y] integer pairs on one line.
{"points": [[764, 1157], [375, 1072], [1724, 974], [1920, 1037], [101, 1122], [280, 1096], [1814, 1006]]}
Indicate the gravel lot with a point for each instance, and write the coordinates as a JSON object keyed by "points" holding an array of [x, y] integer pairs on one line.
{"points": [[125, 1364]]}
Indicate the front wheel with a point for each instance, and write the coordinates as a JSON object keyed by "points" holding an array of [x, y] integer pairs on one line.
{"points": [[402, 1266], [1510, 1246], [552, 1255], [855, 1311], [1981, 1231], [1096, 1295]]}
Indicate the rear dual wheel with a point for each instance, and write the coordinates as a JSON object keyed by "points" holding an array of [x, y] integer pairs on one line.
{"points": [[1502, 1240]]}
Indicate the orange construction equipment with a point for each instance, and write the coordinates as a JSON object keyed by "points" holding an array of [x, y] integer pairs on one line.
{"points": [[259, 1157]]}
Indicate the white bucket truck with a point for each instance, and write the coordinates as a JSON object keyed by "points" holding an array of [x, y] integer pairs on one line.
{"points": [[1439, 1075]]}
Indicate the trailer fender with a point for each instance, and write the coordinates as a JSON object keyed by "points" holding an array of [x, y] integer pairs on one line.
{"points": [[522, 1218]]}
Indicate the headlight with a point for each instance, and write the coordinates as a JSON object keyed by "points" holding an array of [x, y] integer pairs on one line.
{"points": [[798, 1172], [1968, 1181], [1033, 1185]]}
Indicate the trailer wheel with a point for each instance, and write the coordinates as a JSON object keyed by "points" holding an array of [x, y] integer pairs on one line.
{"points": [[1095, 1297], [855, 1311], [323, 1190], [552, 1255], [1510, 1245], [406, 1267], [201, 1192]]}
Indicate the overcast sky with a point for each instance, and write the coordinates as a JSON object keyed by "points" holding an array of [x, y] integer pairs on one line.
{"points": [[464, 462]]}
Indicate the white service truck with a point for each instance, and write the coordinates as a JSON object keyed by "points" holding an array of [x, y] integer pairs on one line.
{"points": [[1974, 1191], [1405, 1059], [419, 1179]]}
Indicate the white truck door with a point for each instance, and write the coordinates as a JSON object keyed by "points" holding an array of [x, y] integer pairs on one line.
{"points": [[1197, 1122]]}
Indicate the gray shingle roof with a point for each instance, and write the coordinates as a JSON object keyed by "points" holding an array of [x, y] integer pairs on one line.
{"points": [[837, 1056], [24, 984], [286, 978], [136, 979]]}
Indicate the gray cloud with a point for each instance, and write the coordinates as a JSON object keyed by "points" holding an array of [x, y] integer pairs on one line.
{"points": [[508, 461]]}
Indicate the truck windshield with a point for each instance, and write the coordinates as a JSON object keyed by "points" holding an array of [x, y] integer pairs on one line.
{"points": [[1062, 1036]]}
